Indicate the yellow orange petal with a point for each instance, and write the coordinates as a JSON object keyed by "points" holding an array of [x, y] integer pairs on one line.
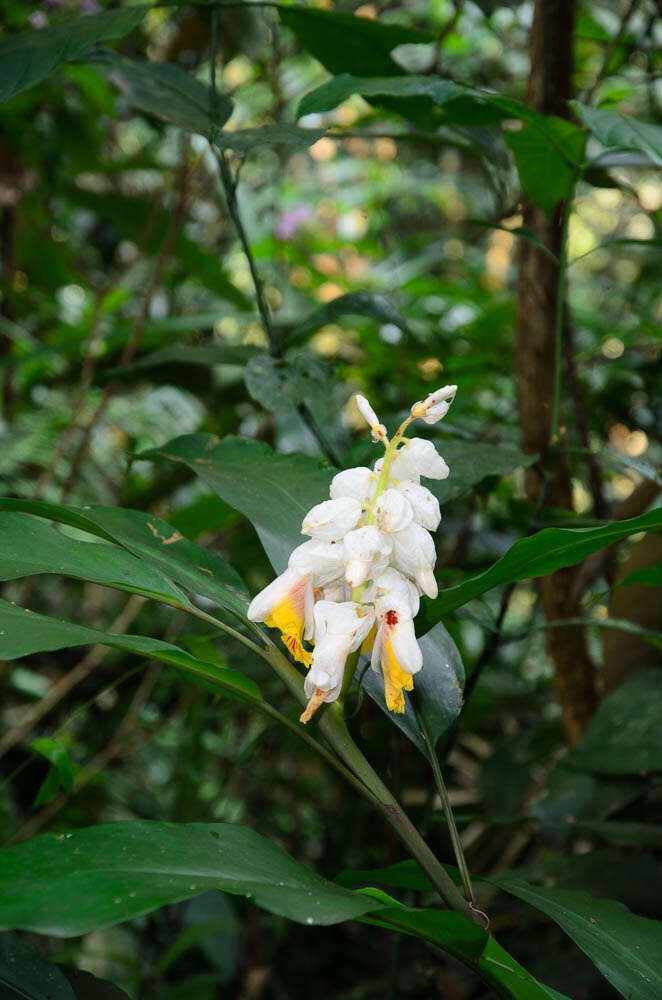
{"points": [[395, 680], [289, 620]]}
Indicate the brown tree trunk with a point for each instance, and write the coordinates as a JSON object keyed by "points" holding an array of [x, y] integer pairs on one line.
{"points": [[550, 86]]}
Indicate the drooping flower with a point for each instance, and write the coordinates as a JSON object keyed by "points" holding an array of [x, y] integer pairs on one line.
{"points": [[340, 628], [287, 604], [332, 519]]}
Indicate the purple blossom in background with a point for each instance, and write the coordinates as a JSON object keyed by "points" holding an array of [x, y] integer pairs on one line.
{"points": [[38, 19], [90, 6], [290, 221]]}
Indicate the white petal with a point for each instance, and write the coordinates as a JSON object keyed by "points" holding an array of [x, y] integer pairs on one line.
{"points": [[419, 457], [332, 519], [393, 511], [376, 657], [366, 411], [414, 555], [276, 592], [324, 560], [423, 503], [366, 550], [336, 591], [393, 591], [358, 483], [405, 648], [328, 665]]}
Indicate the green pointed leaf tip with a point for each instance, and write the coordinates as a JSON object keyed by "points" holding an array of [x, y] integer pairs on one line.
{"points": [[542, 553], [624, 736], [23, 632], [547, 159], [30, 546], [29, 57], [73, 883], [273, 491], [169, 92], [57, 755], [151, 539]]}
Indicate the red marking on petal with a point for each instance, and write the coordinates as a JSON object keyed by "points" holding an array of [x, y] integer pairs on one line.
{"points": [[391, 618]]}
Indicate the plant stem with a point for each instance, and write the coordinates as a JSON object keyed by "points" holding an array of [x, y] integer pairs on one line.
{"points": [[560, 309]]}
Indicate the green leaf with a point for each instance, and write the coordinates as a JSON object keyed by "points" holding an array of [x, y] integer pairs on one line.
{"points": [[30, 56], [622, 132], [200, 355], [345, 43], [627, 949], [169, 92], [546, 159], [542, 553], [273, 491], [650, 575], [470, 462], [57, 755], [24, 975], [368, 304], [30, 546], [502, 971], [437, 689], [401, 875], [246, 140], [89, 987], [23, 632], [151, 539], [624, 833], [446, 928], [332, 93], [624, 736], [283, 384], [73, 883]]}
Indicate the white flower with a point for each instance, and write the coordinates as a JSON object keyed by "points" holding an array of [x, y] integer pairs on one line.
{"points": [[436, 405], [397, 655], [423, 503], [414, 555], [366, 550], [332, 519], [287, 604], [339, 630], [322, 560], [416, 458], [357, 483], [393, 511], [391, 590], [365, 409]]}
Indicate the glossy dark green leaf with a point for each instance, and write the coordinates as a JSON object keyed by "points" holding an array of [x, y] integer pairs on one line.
{"points": [[69, 884], [31, 546], [624, 833], [504, 973], [627, 949], [151, 539], [30, 56], [23, 632], [446, 928], [57, 755], [617, 131], [283, 384], [344, 43], [546, 159], [24, 975], [542, 553], [401, 875], [651, 575], [470, 462], [89, 987], [368, 304], [332, 93], [273, 491], [169, 92], [624, 736], [437, 689]]}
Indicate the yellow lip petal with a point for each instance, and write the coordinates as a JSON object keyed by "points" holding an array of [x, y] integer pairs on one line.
{"points": [[395, 680], [289, 620]]}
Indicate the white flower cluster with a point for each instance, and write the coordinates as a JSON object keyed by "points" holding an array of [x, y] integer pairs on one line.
{"points": [[356, 584]]}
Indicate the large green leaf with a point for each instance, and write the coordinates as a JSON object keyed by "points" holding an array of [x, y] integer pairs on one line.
{"points": [[472, 461], [69, 884], [152, 539], [246, 140], [169, 92], [546, 159], [446, 928], [200, 355], [345, 43], [542, 553], [336, 90], [437, 689], [622, 132], [30, 546], [273, 491], [627, 949], [24, 975], [624, 736], [30, 56], [23, 632]]}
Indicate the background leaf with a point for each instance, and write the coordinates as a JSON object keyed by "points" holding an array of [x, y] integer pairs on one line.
{"points": [[24, 975], [616, 131]]}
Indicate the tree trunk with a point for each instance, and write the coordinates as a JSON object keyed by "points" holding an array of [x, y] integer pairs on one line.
{"points": [[550, 86]]}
